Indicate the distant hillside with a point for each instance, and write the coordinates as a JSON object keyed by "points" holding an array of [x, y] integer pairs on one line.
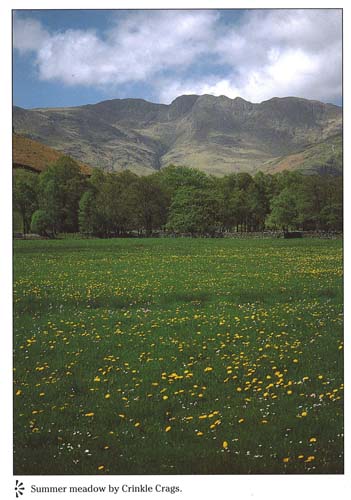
{"points": [[215, 134], [35, 156], [323, 158]]}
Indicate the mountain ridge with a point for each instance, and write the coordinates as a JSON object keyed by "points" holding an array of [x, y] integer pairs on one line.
{"points": [[216, 134]]}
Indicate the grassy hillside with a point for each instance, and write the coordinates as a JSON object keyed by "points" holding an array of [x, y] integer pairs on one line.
{"points": [[322, 158], [36, 156]]}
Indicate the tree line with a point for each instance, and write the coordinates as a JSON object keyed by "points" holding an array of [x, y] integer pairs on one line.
{"points": [[177, 200]]}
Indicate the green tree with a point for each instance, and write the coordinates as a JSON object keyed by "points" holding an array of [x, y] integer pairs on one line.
{"points": [[194, 211], [151, 203], [42, 223], [173, 177], [332, 217], [243, 181], [88, 214], [240, 209], [108, 207], [289, 179], [284, 212], [25, 196], [260, 193], [61, 187], [92, 217], [119, 200], [245, 201]]}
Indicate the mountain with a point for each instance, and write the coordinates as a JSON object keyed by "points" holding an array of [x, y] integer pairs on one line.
{"points": [[215, 134], [34, 156]]}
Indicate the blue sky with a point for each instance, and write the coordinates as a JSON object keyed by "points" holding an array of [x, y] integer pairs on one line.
{"points": [[74, 57]]}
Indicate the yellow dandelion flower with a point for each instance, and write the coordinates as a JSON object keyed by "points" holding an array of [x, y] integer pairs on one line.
{"points": [[107, 396], [164, 397], [301, 456], [137, 424], [18, 392], [101, 467], [241, 420], [91, 414], [286, 460], [289, 392], [199, 433], [225, 445], [304, 414], [168, 428], [208, 369], [313, 440]]}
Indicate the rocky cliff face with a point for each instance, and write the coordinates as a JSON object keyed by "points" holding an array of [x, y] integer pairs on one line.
{"points": [[216, 134]]}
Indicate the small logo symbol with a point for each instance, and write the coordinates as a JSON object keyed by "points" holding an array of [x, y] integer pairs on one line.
{"points": [[19, 488]]}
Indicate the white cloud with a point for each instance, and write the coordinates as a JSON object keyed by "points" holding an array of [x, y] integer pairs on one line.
{"points": [[75, 57], [28, 35], [135, 49], [169, 90], [276, 53], [268, 53]]}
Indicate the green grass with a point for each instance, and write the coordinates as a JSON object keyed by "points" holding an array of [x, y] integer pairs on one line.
{"points": [[178, 356]]}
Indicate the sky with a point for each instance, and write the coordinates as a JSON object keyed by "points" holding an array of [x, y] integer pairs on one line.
{"points": [[74, 57]]}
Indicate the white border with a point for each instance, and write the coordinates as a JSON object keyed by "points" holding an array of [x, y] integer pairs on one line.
{"points": [[323, 487]]}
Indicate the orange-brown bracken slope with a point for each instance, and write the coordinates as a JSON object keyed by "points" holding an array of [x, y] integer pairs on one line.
{"points": [[36, 156]]}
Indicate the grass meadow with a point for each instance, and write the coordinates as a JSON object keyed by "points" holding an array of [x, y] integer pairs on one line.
{"points": [[178, 356]]}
